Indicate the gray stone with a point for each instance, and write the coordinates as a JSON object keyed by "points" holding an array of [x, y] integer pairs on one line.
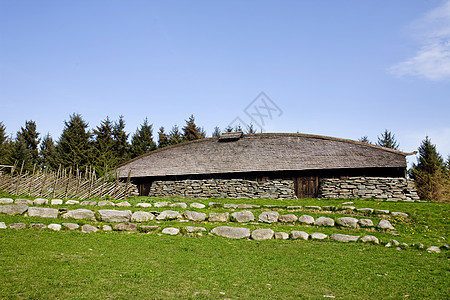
{"points": [[306, 219], [232, 232], [243, 216], [40, 201], [299, 235], [289, 218], [324, 221], [2, 225], [110, 215], [294, 207], [17, 225], [194, 216], [329, 208], [281, 236], [399, 214], [348, 222], [215, 204], [230, 205], [126, 227], [366, 223], [318, 236], [171, 231], [365, 210], [142, 216], [143, 205], [6, 201], [42, 212], [86, 228], [71, 226], [180, 204], [169, 215], [197, 205], [434, 249], [55, 227], [13, 209], [219, 217], [313, 207], [123, 204], [344, 237], [56, 202], [385, 224], [347, 203], [107, 228], [23, 201], [382, 211], [395, 243], [191, 229], [161, 204], [105, 203], [347, 207], [269, 217], [72, 202], [38, 225], [247, 206], [262, 234], [370, 239], [88, 203], [80, 214], [148, 228]]}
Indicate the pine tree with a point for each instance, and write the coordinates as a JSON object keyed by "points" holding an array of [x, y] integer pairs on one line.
{"points": [[120, 141], [228, 129], [251, 129], [216, 132], [31, 138], [191, 131], [19, 154], [163, 138], [175, 136], [365, 139], [4, 144], [429, 172], [387, 140], [142, 141], [47, 153], [238, 128], [103, 143], [74, 146]]}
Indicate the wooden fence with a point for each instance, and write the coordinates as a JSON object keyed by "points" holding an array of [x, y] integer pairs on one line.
{"points": [[66, 184]]}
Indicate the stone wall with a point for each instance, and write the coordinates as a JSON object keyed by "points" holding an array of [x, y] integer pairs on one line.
{"points": [[224, 188], [390, 188]]}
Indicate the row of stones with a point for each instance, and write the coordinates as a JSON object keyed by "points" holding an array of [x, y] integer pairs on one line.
{"points": [[224, 188], [224, 231], [109, 215], [345, 206], [369, 187]]}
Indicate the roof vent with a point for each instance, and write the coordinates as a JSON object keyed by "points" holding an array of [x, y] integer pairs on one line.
{"points": [[230, 136]]}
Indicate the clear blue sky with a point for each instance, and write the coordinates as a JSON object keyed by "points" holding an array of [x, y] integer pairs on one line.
{"points": [[337, 68]]}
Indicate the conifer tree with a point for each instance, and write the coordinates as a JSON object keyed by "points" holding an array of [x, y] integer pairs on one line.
{"points": [[31, 138], [387, 140], [163, 138], [228, 129], [120, 141], [251, 129], [103, 146], [142, 141], [4, 143], [429, 172], [238, 128], [365, 139], [216, 132], [19, 154], [74, 147], [47, 153], [175, 136], [191, 131]]}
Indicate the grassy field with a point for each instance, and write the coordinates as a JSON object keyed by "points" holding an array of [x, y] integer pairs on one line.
{"points": [[42, 264]]}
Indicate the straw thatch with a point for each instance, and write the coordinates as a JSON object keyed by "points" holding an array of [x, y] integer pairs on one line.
{"points": [[266, 152]]}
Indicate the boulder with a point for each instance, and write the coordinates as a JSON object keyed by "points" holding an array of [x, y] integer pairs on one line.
{"points": [[88, 203], [161, 204], [399, 214], [230, 205], [281, 236], [23, 201], [215, 204], [247, 206], [105, 203], [194, 216], [107, 228], [299, 235], [180, 204], [348, 222], [143, 205], [382, 211], [262, 234], [219, 217], [6, 201], [318, 236], [324, 221], [55, 227], [110, 215], [126, 227], [306, 219], [344, 237], [56, 202], [142, 216], [86, 228], [2, 225], [17, 225], [197, 205], [347, 203], [289, 218], [123, 204], [171, 231], [13, 209], [313, 207], [148, 228], [294, 207], [40, 201], [232, 232], [71, 226], [42, 212], [269, 217], [370, 239], [38, 225], [191, 229], [72, 202], [385, 224], [366, 223], [169, 215], [434, 249], [80, 214], [243, 216], [348, 207], [329, 208], [365, 210]]}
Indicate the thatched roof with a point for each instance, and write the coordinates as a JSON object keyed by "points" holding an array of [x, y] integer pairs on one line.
{"points": [[262, 153]]}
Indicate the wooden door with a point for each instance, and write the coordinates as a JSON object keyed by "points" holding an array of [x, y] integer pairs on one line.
{"points": [[144, 188], [307, 187]]}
